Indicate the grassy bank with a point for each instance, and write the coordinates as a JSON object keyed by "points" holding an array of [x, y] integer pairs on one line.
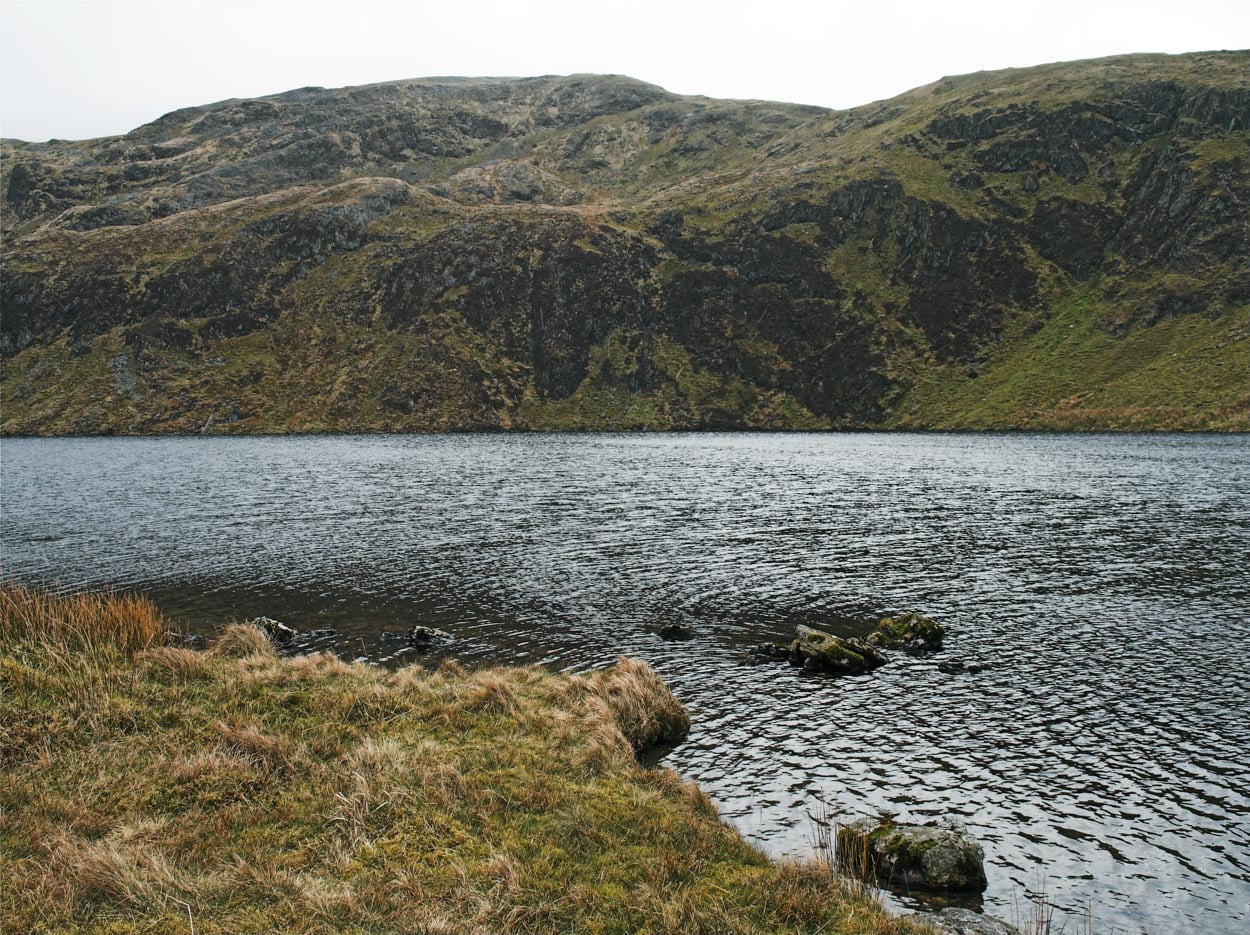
{"points": [[152, 788]]}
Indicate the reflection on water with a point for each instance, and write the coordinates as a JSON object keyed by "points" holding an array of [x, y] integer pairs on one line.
{"points": [[1106, 750]]}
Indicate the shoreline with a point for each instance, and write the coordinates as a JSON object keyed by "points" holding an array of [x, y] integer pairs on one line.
{"points": [[522, 433], [303, 793]]}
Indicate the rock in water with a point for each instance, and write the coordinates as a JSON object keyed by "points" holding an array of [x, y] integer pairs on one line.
{"points": [[675, 631], [965, 922], [959, 667], [769, 652], [912, 856], [913, 632], [428, 636], [819, 651], [276, 630]]}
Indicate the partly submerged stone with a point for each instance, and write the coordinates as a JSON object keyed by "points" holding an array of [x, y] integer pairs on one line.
{"points": [[322, 633], [428, 636], [276, 630], [675, 631], [913, 632], [912, 856], [964, 922], [819, 651], [962, 667], [769, 652]]}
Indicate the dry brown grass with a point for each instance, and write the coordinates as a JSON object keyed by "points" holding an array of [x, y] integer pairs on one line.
{"points": [[240, 640], [642, 706], [176, 661], [80, 622], [126, 867], [272, 752]]}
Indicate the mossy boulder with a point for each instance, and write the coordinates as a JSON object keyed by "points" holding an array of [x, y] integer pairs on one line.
{"points": [[911, 631], [276, 630], [819, 651], [912, 856]]}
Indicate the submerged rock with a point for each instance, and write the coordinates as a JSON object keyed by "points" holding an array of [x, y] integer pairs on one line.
{"points": [[912, 632], [428, 636], [276, 630], [769, 652], [819, 651], [675, 631], [961, 667], [912, 856], [965, 922]]}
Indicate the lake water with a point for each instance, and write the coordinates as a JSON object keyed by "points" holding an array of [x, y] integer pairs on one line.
{"points": [[1105, 755]]}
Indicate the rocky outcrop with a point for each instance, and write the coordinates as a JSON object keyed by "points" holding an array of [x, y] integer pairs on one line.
{"points": [[818, 651], [912, 856]]}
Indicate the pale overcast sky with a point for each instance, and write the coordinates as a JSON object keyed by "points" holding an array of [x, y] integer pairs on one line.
{"points": [[84, 69]]}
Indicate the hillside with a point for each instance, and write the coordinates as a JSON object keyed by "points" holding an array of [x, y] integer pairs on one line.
{"points": [[1055, 247]]}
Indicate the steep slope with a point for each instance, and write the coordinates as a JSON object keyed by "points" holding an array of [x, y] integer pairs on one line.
{"points": [[1055, 247]]}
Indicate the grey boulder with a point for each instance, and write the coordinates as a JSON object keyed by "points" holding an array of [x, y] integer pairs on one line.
{"points": [[912, 856]]}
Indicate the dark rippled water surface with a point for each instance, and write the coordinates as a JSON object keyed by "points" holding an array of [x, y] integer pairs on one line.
{"points": [[1106, 753]]}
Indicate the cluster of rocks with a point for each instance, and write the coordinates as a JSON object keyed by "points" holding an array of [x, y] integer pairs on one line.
{"points": [[819, 651], [421, 637]]}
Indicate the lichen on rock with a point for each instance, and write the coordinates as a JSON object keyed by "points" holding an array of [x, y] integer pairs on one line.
{"points": [[911, 631], [818, 651], [912, 856]]}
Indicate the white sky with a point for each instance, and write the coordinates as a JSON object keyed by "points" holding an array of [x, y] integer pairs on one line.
{"points": [[98, 67]]}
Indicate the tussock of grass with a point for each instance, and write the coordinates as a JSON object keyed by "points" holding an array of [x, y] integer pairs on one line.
{"points": [[240, 640], [175, 661], [641, 706], [148, 788], [79, 621]]}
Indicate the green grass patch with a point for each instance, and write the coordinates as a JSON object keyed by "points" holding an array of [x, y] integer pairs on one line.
{"points": [[1073, 374]]}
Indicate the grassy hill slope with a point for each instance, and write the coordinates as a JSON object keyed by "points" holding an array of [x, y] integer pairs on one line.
{"points": [[1055, 247]]}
